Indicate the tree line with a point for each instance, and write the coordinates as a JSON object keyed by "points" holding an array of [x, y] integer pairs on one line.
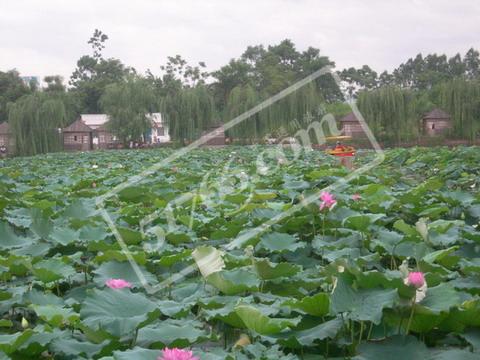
{"points": [[192, 99]]}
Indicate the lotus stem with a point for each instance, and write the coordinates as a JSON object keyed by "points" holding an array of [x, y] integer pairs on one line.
{"points": [[361, 332], [411, 317]]}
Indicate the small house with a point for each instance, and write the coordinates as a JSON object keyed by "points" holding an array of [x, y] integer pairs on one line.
{"points": [[436, 122], [350, 126], [104, 139], [90, 132], [6, 139], [77, 136], [101, 137], [213, 136]]}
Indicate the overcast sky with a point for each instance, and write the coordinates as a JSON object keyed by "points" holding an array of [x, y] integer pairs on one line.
{"points": [[47, 37]]}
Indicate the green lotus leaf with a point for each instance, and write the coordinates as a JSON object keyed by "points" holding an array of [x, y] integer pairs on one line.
{"points": [[52, 269], [363, 304], [120, 312], [267, 270], [172, 334], [308, 337], [255, 320], [10, 240], [10, 343], [316, 305], [279, 242], [231, 282]]}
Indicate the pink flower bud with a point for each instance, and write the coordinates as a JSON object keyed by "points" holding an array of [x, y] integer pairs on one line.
{"points": [[177, 354], [356, 197], [118, 284], [416, 279], [327, 200]]}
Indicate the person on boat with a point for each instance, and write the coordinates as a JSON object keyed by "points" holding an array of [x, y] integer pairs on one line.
{"points": [[339, 147], [345, 153]]}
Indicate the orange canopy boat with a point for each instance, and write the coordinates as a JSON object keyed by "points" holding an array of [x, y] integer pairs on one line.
{"points": [[339, 149]]}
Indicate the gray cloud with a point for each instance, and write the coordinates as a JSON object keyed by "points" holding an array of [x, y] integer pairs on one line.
{"points": [[48, 37]]}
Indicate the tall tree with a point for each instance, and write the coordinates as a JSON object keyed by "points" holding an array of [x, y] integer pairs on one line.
{"points": [[270, 70], [461, 99], [12, 88], [54, 84], [127, 104], [94, 73], [36, 121], [472, 64], [189, 112], [391, 113]]}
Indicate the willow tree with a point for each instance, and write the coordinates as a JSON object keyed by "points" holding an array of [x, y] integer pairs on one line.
{"points": [[240, 100], [281, 118], [128, 104], [188, 111], [392, 113], [36, 121], [461, 99]]}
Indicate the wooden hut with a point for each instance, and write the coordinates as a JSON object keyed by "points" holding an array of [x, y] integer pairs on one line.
{"points": [[103, 139], [214, 136], [77, 136], [7, 142], [90, 131], [350, 126], [436, 122]]}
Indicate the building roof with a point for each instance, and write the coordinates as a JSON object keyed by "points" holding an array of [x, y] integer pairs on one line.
{"points": [[437, 114], [78, 126], [94, 120], [349, 118], [102, 128], [4, 128], [97, 121]]}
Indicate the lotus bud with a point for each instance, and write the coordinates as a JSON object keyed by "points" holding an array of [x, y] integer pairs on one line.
{"points": [[25, 323], [243, 341]]}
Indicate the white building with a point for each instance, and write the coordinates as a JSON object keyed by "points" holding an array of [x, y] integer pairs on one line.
{"points": [[158, 132]]}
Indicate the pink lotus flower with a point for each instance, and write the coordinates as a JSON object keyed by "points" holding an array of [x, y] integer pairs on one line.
{"points": [[94, 185], [356, 197], [177, 354], [328, 200], [416, 279], [117, 284]]}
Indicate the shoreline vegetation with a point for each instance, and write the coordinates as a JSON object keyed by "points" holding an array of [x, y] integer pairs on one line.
{"points": [[192, 99]]}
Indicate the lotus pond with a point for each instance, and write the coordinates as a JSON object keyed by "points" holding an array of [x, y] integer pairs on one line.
{"points": [[385, 266]]}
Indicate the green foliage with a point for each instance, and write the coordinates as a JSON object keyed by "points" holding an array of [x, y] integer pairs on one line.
{"points": [[418, 73], [188, 111], [461, 99], [35, 121], [12, 88], [391, 114], [128, 104], [94, 73]]}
